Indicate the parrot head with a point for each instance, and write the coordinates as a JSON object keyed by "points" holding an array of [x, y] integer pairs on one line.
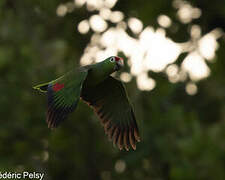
{"points": [[116, 62], [106, 67]]}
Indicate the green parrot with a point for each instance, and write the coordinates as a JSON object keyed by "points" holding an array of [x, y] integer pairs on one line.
{"points": [[106, 95]]}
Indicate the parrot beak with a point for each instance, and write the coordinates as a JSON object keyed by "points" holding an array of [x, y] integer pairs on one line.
{"points": [[119, 63]]}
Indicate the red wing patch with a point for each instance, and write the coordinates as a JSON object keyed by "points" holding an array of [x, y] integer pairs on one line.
{"points": [[58, 87]]}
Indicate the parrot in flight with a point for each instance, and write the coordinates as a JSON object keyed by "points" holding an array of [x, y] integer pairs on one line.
{"points": [[105, 94]]}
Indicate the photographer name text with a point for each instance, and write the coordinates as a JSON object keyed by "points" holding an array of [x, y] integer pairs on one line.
{"points": [[23, 175]]}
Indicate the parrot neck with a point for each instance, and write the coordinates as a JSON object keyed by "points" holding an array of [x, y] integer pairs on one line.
{"points": [[98, 73]]}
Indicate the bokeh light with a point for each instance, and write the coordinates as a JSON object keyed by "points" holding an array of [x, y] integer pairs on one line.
{"points": [[116, 16], [164, 21], [145, 83], [186, 13], [125, 77], [208, 44], [83, 27], [135, 25], [120, 166], [195, 31], [61, 10], [148, 49], [110, 3], [191, 89], [94, 4], [105, 13], [196, 67], [79, 3], [97, 23]]}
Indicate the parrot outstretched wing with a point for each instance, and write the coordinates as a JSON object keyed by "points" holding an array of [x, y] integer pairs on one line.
{"points": [[110, 102], [63, 96]]}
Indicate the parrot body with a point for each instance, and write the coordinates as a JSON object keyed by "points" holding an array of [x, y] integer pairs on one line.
{"points": [[106, 95]]}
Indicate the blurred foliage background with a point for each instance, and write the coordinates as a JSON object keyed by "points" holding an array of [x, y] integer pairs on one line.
{"points": [[182, 123]]}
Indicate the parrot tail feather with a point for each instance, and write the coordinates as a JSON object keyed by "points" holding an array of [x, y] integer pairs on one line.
{"points": [[42, 87]]}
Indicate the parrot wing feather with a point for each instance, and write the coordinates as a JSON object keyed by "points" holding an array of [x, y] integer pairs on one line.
{"points": [[63, 96], [111, 104]]}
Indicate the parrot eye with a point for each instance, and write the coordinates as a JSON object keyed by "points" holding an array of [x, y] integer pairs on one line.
{"points": [[112, 59]]}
